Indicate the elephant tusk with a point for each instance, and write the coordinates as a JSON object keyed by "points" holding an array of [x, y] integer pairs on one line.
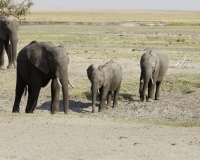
{"points": [[71, 84], [59, 82], [19, 42], [141, 80], [9, 42], [152, 80], [98, 91]]}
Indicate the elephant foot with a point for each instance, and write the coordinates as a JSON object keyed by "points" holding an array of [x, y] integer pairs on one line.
{"points": [[149, 100], [15, 111], [108, 106], [142, 99], [10, 66], [28, 111], [101, 110], [115, 106], [54, 112]]}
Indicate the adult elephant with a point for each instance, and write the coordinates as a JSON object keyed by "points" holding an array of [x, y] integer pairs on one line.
{"points": [[8, 41], [37, 64], [105, 79], [154, 65]]}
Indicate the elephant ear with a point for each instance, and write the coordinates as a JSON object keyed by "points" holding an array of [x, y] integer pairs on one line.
{"points": [[2, 30], [90, 69], [108, 73], [37, 55]]}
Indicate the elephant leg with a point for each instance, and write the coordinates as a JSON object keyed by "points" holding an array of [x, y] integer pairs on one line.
{"points": [[18, 93], [32, 99], [157, 94], [116, 95], [108, 100], [151, 88], [102, 106], [2, 54], [55, 93]]}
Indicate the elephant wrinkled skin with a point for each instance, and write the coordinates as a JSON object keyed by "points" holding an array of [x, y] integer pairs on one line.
{"points": [[37, 64], [8, 41], [154, 65], [105, 79]]}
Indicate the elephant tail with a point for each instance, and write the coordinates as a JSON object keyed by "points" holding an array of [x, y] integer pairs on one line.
{"points": [[25, 90]]}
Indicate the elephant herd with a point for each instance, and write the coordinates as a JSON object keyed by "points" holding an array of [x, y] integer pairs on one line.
{"points": [[39, 62]]}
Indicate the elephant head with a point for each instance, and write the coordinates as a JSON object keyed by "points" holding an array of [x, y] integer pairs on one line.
{"points": [[9, 29], [51, 60], [149, 64]]}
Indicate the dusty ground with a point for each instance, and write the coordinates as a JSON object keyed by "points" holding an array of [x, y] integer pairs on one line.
{"points": [[121, 133], [59, 137]]}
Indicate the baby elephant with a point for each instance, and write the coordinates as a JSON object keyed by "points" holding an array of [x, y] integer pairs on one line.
{"points": [[105, 79], [154, 65]]}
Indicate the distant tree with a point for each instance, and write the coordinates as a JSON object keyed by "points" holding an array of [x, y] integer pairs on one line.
{"points": [[10, 8]]}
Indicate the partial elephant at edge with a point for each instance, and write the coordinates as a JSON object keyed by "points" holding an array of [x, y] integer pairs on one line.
{"points": [[8, 41]]}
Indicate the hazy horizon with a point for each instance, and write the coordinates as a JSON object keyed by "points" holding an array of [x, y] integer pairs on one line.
{"points": [[188, 5]]}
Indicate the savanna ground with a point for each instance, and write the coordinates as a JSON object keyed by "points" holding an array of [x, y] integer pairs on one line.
{"points": [[167, 129]]}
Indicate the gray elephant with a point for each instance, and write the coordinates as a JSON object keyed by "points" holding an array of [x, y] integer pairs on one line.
{"points": [[105, 79], [8, 41], [154, 65], [37, 64]]}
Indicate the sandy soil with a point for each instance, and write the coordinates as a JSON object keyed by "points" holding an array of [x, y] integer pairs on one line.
{"points": [[60, 137], [115, 134]]}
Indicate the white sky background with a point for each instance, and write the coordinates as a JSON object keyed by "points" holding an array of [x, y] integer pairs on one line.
{"points": [[119, 4]]}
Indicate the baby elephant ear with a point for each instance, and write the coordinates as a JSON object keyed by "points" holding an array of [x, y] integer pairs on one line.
{"points": [[38, 57], [90, 69]]}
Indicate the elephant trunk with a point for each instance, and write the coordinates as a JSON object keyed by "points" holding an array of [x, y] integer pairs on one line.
{"points": [[64, 82], [94, 92], [14, 52], [141, 87], [146, 78]]}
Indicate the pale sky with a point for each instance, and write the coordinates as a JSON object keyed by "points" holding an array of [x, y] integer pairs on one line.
{"points": [[119, 4]]}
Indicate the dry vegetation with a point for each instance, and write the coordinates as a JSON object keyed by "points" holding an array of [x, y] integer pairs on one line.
{"points": [[59, 15]]}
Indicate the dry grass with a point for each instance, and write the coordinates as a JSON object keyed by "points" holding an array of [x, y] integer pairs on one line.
{"points": [[62, 15]]}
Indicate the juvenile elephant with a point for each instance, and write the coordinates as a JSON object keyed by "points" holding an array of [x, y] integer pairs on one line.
{"points": [[105, 79], [37, 64], [8, 41], [154, 65]]}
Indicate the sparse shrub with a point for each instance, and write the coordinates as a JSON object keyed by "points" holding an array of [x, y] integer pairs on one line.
{"points": [[183, 40]]}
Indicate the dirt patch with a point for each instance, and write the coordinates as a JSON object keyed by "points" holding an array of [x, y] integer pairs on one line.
{"points": [[69, 137]]}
